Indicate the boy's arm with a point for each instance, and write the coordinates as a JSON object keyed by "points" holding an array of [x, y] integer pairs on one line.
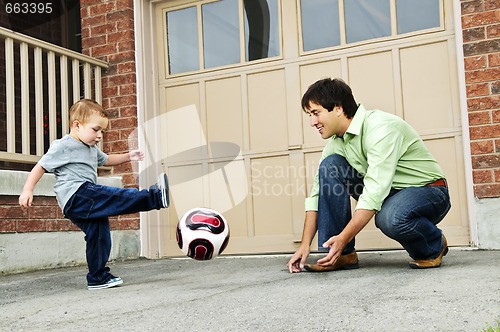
{"points": [[26, 197], [117, 159]]}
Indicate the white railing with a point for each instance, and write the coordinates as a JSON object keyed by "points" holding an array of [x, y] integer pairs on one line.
{"points": [[35, 59]]}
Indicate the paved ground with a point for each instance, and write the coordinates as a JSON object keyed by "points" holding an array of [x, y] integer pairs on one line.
{"points": [[258, 294]]}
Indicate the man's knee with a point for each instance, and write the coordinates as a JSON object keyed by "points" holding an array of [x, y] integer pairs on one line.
{"points": [[392, 221], [335, 169], [334, 160], [333, 166]]}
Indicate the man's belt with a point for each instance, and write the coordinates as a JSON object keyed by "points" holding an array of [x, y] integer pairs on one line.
{"points": [[438, 183]]}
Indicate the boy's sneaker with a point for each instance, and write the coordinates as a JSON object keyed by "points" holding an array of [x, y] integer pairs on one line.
{"points": [[162, 185], [114, 281]]}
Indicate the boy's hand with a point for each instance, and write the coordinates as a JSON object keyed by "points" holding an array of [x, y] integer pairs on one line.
{"points": [[26, 198], [136, 155]]}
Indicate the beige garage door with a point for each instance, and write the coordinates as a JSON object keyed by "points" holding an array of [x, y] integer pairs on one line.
{"points": [[231, 75]]}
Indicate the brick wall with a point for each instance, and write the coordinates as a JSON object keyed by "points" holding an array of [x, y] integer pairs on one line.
{"points": [[481, 38], [44, 216], [108, 35]]}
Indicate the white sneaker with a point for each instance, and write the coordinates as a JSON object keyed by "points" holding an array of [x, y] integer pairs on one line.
{"points": [[114, 281], [162, 184]]}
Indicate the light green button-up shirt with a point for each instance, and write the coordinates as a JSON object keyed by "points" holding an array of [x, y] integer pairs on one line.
{"points": [[386, 151]]}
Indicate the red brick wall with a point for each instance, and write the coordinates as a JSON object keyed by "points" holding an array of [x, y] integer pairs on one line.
{"points": [[45, 216], [108, 35], [481, 38]]}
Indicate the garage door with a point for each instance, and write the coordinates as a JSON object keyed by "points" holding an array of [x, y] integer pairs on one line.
{"points": [[233, 136]]}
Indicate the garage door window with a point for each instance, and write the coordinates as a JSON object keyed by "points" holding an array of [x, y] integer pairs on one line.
{"points": [[318, 27], [221, 33], [417, 15], [224, 29], [332, 23], [182, 34], [367, 19]]}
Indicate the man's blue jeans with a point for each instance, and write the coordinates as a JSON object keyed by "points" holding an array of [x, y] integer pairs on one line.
{"points": [[408, 216], [89, 209]]}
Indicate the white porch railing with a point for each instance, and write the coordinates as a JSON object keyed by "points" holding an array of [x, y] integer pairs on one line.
{"points": [[53, 90]]}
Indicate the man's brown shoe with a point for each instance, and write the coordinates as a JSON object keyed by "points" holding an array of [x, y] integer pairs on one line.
{"points": [[429, 263], [345, 262]]}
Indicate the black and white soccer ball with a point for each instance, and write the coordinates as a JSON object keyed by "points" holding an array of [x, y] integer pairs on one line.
{"points": [[202, 233]]}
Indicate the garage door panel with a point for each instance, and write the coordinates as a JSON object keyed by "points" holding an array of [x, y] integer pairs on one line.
{"points": [[272, 207], [444, 150], [426, 84], [224, 116], [228, 193], [376, 89], [267, 111], [191, 186], [181, 96], [185, 135]]}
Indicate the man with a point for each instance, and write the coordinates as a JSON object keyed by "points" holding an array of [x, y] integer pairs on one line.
{"points": [[381, 161]]}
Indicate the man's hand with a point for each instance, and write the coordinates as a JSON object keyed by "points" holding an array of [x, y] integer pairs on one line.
{"points": [[296, 263], [336, 245]]}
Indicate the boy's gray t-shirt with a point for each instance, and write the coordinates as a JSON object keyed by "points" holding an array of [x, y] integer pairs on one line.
{"points": [[72, 163]]}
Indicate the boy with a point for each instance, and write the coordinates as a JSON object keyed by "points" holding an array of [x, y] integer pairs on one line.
{"points": [[74, 160]]}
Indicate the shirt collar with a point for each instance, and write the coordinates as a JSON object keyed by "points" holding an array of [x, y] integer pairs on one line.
{"points": [[357, 121]]}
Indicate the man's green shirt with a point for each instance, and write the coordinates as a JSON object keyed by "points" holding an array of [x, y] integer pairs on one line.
{"points": [[386, 151]]}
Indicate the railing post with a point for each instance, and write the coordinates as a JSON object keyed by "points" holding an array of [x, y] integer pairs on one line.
{"points": [[25, 99], [63, 61], [87, 80], [10, 95], [98, 84], [76, 80], [51, 66], [39, 101]]}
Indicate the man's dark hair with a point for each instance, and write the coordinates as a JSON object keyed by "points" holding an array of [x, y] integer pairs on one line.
{"points": [[330, 93]]}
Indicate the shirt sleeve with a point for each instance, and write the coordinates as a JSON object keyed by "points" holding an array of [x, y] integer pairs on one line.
{"points": [[383, 146], [101, 157], [54, 158], [311, 202]]}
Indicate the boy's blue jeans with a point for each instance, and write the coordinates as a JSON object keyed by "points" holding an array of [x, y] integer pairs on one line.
{"points": [[408, 216], [89, 209]]}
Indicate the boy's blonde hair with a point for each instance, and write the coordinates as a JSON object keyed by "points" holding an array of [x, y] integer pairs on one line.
{"points": [[83, 109]]}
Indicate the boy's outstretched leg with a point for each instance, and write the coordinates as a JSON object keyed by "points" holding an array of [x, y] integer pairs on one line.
{"points": [[94, 201]]}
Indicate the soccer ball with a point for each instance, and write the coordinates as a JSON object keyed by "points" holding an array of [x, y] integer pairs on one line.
{"points": [[202, 233]]}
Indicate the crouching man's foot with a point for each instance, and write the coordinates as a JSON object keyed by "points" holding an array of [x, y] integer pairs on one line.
{"points": [[345, 262], [429, 263]]}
